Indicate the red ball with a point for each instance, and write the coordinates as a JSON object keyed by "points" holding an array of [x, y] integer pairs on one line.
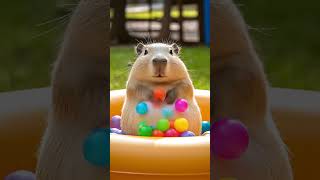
{"points": [[157, 133], [159, 94], [171, 133], [156, 104]]}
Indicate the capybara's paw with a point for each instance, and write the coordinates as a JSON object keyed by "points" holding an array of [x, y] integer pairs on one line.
{"points": [[171, 96], [144, 93]]}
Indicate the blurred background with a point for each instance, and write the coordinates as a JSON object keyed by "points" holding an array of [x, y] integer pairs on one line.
{"points": [[28, 47], [285, 34], [181, 21]]}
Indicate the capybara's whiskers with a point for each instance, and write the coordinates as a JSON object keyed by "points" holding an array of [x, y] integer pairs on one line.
{"points": [[262, 30], [55, 20], [59, 22]]}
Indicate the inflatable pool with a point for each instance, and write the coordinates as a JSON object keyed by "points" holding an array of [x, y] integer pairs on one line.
{"points": [[145, 158], [22, 120]]}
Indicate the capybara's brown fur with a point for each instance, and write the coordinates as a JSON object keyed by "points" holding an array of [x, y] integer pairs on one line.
{"points": [[146, 76]]}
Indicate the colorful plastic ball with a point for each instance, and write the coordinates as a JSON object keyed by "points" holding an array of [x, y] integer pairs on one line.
{"points": [[171, 133], [205, 126], [157, 133], [142, 123], [157, 105], [181, 105], [159, 94], [187, 134], [115, 122], [115, 131], [96, 148], [231, 139], [145, 131], [167, 112], [163, 124], [21, 175], [142, 108], [171, 124], [181, 124]]}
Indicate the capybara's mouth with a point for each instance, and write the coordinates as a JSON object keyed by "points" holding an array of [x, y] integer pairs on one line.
{"points": [[159, 75], [159, 72]]}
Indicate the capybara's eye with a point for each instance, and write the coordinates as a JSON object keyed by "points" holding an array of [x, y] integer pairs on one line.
{"points": [[145, 52], [171, 52]]}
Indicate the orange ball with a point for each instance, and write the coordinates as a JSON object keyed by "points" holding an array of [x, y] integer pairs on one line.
{"points": [[172, 124], [159, 94], [157, 133]]}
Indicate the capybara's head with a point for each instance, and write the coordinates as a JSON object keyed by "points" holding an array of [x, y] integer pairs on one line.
{"points": [[158, 63]]}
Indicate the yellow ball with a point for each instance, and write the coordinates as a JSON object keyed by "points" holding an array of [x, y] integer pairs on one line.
{"points": [[181, 124]]}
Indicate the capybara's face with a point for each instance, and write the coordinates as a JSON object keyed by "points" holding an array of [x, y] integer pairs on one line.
{"points": [[158, 63]]}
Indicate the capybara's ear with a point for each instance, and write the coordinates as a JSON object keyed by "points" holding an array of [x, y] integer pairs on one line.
{"points": [[175, 48], [139, 48]]}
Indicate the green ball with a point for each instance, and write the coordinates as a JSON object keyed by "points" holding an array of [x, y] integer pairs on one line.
{"points": [[163, 124], [145, 131], [141, 124]]}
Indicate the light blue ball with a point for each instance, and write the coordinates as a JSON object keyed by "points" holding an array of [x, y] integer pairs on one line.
{"points": [[205, 126], [167, 112], [142, 108], [96, 147]]}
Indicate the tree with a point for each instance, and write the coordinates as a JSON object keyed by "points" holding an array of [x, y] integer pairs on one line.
{"points": [[119, 32], [166, 20]]}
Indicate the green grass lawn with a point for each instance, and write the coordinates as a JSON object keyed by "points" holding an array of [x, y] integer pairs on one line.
{"points": [[197, 60]]}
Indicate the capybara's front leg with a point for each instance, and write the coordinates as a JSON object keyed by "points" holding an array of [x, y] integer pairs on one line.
{"points": [[136, 93], [185, 90]]}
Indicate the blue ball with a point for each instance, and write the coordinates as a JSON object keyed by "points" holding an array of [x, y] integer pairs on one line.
{"points": [[21, 175], [142, 108], [96, 148], [167, 112], [187, 134], [115, 131], [205, 126]]}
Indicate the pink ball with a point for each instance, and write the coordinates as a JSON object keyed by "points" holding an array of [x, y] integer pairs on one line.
{"points": [[171, 133], [181, 105], [231, 139]]}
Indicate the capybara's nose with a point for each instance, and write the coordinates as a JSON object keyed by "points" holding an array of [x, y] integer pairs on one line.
{"points": [[159, 61]]}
